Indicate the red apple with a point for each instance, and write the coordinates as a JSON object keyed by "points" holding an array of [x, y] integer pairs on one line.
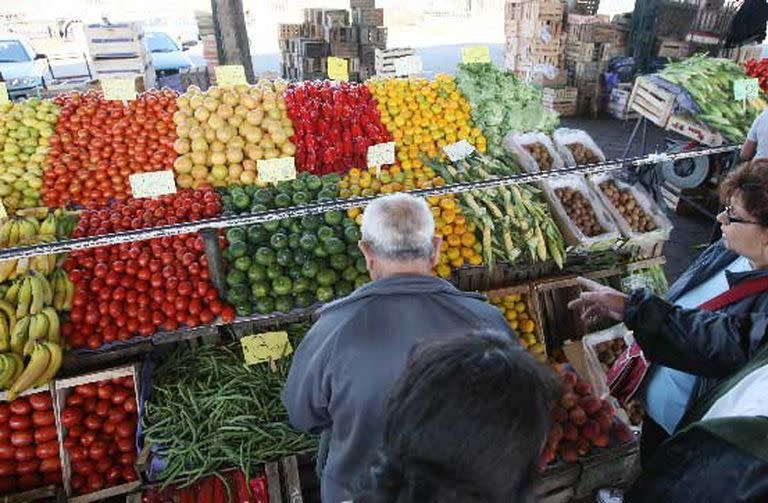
{"points": [[578, 416]]}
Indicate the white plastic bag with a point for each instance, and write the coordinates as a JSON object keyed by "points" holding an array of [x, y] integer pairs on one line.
{"points": [[514, 144], [564, 137]]}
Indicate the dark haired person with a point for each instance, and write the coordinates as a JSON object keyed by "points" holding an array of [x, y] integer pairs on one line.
{"points": [[715, 318], [465, 424], [345, 367]]}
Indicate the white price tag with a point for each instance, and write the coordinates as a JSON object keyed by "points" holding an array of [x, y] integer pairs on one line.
{"points": [[381, 154], [459, 150], [152, 184], [276, 170], [408, 65], [119, 89], [230, 75]]}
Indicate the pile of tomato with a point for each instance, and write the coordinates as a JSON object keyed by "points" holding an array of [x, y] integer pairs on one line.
{"points": [[138, 288], [99, 143], [99, 423], [758, 69], [29, 449], [334, 125]]}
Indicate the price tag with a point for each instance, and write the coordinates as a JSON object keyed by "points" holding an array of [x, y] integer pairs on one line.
{"points": [[266, 347], [476, 54], [230, 75], [408, 65], [4, 93], [746, 89], [152, 184], [381, 154], [276, 170], [459, 150], [120, 89], [338, 69]]}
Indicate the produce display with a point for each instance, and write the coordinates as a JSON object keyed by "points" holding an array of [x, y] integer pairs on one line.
{"points": [[141, 287], [208, 412], [709, 81], [99, 422], [580, 423], [223, 132], [625, 202], [29, 449], [501, 103], [514, 222], [582, 154], [334, 125], [98, 143], [232, 486], [26, 128], [580, 211], [515, 310], [608, 351], [540, 154], [294, 262], [758, 70]]}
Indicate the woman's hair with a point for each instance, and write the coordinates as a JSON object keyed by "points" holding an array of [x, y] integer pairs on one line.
{"points": [[465, 424], [750, 182]]}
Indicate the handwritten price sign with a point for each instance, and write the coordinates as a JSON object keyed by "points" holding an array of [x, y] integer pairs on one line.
{"points": [[276, 170], [266, 347], [230, 75]]}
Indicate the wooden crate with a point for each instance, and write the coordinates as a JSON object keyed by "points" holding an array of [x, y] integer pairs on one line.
{"points": [[62, 389], [344, 49], [345, 34], [518, 55], [586, 71], [691, 128], [651, 101], [373, 35], [326, 17], [675, 49], [526, 291], [133, 65], [369, 16], [564, 101], [576, 50], [286, 31], [521, 18]]}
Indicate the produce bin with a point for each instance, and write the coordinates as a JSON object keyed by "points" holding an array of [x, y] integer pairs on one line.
{"points": [[566, 140], [517, 145]]}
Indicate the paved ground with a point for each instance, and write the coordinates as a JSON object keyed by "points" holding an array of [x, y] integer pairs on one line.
{"points": [[690, 233]]}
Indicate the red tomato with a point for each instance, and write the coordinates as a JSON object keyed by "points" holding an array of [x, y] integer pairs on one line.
{"points": [[47, 450], [27, 467], [76, 431], [89, 406], [87, 390], [21, 438], [95, 482], [125, 445], [71, 416], [7, 468], [45, 434], [104, 391], [43, 418], [21, 406], [88, 438], [129, 474], [53, 477], [127, 458], [5, 412], [83, 467], [98, 451], [50, 465], [20, 422], [102, 408], [78, 454], [113, 475], [7, 451], [120, 396], [25, 454], [92, 422], [125, 429], [70, 442], [41, 401]]}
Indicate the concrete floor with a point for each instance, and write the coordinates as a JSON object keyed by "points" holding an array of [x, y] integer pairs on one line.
{"points": [[691, 233]]}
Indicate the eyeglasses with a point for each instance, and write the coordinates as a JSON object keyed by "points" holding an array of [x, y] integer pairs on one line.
{"points": [[730, 218]]}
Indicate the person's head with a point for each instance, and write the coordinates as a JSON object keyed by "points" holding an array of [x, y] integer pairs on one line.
{"points": [[465, 423], [398, 236], [744, 221]]}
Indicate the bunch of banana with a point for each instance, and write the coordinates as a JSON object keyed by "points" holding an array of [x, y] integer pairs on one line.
{"points": [[17, 230], [44, 362], [14, 268], [58, 224], [63, 290], [30, 294]]}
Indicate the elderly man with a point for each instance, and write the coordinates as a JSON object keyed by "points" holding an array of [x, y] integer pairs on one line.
{"points": [[344, 368]]}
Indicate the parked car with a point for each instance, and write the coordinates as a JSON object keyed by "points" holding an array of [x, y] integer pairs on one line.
{"points": [[19, 67], [167, 57]]}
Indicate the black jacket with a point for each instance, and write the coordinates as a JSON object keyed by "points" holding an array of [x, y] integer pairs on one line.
{"points": [[711, 345]]}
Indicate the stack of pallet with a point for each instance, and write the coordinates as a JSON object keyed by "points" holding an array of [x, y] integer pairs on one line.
{"points": [[591, 43], [118, 50], [305, 47], [534, 36]]}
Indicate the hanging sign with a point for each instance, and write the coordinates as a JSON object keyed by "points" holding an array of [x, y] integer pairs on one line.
{"points": [[276, 170], [230, 76], [338, 69], [459, 150], [119, 89], [476, 54], [266, 347], [152, 184], [745, 89]]}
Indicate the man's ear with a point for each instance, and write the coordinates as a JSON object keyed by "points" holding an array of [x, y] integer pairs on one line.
{"points": [[365, 248], [437, 243]]}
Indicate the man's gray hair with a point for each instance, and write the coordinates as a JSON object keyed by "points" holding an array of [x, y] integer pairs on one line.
{"points": [[399, 227]]}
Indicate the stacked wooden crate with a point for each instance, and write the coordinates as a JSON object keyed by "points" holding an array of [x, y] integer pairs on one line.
{"points": [[520, 21], [564, 100], [305, 47], [118, 50], [549, 42]]}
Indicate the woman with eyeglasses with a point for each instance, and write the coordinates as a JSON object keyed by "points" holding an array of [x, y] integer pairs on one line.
{"points": [[714, 319]]}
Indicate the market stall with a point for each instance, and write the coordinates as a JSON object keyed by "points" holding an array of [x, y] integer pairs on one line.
{"points": [[148, 312]]}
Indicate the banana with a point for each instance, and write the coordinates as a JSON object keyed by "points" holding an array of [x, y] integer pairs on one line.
{"points": [[51, 262], [70, 294], [38, 363], [10, 313], [25, 298], [38, 293], [53, 365], [13, 237], [12, 295], [8, 371], [28, 228], [47, 290], [38, 213], [5, 335], [22, 267], [59, 290], [5, 233], [54, 325], [19, 363], [7, 269], [20, 334], [38, 332], [48, 227]]}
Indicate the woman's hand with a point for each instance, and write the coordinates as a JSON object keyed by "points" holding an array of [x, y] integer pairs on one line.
{"points": [[599, 301]]}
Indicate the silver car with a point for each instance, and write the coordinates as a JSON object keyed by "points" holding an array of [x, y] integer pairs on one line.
{"points": [[19, 67]]}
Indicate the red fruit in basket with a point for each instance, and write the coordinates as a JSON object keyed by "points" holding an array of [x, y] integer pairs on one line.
{"points": [[570, 432], [24, 454], [41, 401], [607, 409], [590, 404], [622, 433], [602, 440], [21, 407], [30, 481], [583, 388], [583, 446], [569, 451], [129, 474], [7, 468], [113, 475], [569, 400], [78, 454], [27, 467], [548, 455], [5, 412], [50, 465], [7, 451], [88, 438], [578, 416], [555, 435], [94, 483], [605, 421], [77, 482], [127, 458], [53, 477], [559, 414], [93, 422], [76, 431], [590, 430]]}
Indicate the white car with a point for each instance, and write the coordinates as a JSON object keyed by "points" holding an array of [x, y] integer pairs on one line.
{"points": [[19, 67]]}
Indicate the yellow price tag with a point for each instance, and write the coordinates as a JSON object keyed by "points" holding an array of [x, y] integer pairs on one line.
{"points": [[266, 347], [4, 93], [152, 184], [230, 76], [120, 89], [338, 69], [476, 54], [276, 170]]}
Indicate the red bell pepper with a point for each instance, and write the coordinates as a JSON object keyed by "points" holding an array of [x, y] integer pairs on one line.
{"points": [[260, 489]]}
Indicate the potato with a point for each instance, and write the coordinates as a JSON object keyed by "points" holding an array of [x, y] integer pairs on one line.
{"points": [[540, 154], [582, 154], [580, 211], [624, 201]]}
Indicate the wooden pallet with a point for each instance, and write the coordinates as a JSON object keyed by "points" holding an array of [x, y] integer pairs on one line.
{"points": [[651, 101], [342, 34]]}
